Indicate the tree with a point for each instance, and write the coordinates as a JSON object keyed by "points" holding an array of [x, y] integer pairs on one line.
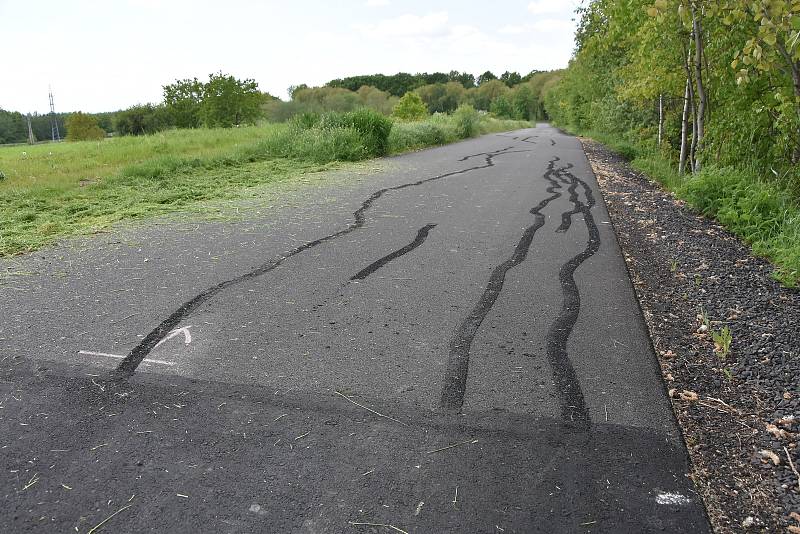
{"points": [[142, 119], [511, 78], [13, 128], [486, 77], [410, 107], [228, 101], [466, 79], [773, 45], [183, 100], [83, 127], [442, 97], [486, 93]]}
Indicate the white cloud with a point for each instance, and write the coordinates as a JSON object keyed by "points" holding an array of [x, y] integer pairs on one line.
{"points": [[408, 25], [512, 30], [544, 7], [377, 3]]}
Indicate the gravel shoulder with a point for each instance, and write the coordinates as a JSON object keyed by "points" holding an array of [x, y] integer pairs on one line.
{"points": [[739, 411]]}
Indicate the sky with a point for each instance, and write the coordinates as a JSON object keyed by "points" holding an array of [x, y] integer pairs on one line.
{"points": [[105, 55]]}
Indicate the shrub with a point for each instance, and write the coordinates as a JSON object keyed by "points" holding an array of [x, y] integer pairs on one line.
{"points": [[142, 120], [83, 127], [305, 120], [410, 108], [372, 127], [466, 119]]}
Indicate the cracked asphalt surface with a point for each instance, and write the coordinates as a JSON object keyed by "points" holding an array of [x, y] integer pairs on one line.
{"points": [[449, 345]]}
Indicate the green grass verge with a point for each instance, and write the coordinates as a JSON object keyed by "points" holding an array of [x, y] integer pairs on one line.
{"points": [[751, 204], [58, 190]]}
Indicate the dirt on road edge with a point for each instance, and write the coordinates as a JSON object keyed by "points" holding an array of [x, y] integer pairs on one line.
{"points": [[736, 396]]}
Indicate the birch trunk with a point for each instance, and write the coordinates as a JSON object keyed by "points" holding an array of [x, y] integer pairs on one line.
{"points": [[684, 129], [702, 98]]}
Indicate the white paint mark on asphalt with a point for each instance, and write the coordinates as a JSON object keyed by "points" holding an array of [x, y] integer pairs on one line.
{"points": [[672, 499], [187, 336], [118, 357]]}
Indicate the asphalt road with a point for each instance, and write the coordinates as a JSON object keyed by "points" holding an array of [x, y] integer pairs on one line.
{"points": [[451, 344]]}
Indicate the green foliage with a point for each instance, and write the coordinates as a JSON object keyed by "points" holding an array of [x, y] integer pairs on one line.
{"points": [[402, 82], [142, 120], [372, 128], [632, 55], [466, 121], [223, 101], [410, 107], [442, 97], [485, 77], [230, 102], [183, 99], [722, 341], [83, 127], [511, 78]]}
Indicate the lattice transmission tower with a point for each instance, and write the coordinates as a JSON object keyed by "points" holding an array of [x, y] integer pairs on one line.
{"points": [[53, 119]]}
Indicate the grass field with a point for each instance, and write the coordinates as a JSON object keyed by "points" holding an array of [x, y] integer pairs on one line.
{"points": [[52, 191]]}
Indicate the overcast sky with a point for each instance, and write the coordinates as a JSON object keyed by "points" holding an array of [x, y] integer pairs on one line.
{"points": [[104, 55]]}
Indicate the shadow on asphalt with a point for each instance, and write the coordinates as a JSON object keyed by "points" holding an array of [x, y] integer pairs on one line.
{"points": [[188, 456]]}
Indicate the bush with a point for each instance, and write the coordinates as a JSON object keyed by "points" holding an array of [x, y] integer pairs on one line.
{"points": [[410, 108], [466, 121], [142, 120], [83, 127], [320, 145], [372, 127]]}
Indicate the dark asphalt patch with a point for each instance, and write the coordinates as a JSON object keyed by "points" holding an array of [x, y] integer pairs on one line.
{"points": [[209, 457]]}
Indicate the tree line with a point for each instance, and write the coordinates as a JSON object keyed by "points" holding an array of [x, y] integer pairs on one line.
{"points": [[511, 95], [403, 82], [702, 82], [225, 101]]}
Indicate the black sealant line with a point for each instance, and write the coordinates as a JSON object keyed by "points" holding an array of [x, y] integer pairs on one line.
{"points": [[573, 404], [455, 381], [492, 153], [129, 364], [422, 235]]}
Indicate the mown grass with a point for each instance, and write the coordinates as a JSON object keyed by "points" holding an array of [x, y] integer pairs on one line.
{"points": [[749, 202], [57, 190]]}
